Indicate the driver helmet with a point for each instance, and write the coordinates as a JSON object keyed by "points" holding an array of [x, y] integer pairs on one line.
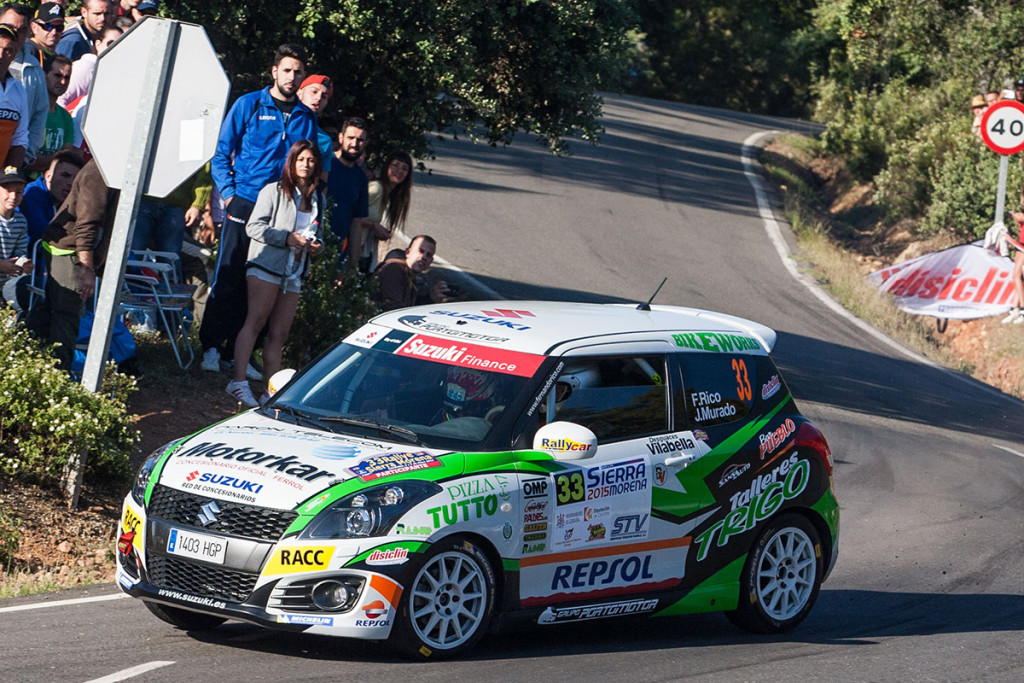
{"points": [[464, 386], [576, 376]]}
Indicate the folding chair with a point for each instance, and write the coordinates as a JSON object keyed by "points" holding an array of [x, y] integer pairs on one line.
{"points": [[153, 286]]}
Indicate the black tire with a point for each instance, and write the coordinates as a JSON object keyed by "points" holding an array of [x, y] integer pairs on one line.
{"points": [[448, 603], [184, 619], [781, 578]]}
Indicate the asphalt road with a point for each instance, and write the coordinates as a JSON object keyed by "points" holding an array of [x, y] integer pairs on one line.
{"points": [[929, 465]]}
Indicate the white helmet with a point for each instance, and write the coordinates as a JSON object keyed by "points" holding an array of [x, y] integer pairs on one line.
{"points": [[577, 375]]}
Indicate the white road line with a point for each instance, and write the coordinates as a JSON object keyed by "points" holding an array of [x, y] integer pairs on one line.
{"points": [[1008, 450], [63, 603], [132, 672], [771, 227]]}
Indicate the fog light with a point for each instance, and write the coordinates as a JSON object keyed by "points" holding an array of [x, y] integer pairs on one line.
{"points": [[331, 595]]}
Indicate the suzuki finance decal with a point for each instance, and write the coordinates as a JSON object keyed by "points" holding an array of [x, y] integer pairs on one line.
{"points": [[586, 496], [764, 497], [468, 355]]}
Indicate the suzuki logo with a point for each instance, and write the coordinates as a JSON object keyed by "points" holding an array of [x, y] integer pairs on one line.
{"points": [[208, 513]]}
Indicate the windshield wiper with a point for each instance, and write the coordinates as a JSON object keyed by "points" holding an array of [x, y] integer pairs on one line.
{"points": [[393, 430], [299, 416]]}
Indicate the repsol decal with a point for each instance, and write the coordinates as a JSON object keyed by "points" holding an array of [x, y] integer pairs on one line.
{"points": [[286, 464], [601, 573]]}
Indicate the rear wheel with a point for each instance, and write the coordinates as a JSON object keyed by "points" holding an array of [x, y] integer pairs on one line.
{"points": [[781, 578], [182, 618], [448, 605]]}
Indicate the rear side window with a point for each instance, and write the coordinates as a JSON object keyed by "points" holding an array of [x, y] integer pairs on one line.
{"points": [[719, 387], [616, 397]]}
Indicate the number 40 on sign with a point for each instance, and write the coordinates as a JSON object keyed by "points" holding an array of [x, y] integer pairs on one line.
{"points": [[1002, 127]]}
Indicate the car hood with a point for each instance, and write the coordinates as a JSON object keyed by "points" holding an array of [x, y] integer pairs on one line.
{"points": [[253, 459]]}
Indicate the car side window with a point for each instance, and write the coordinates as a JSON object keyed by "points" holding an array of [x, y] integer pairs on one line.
{"points": [[719, 387], [616, 397]]}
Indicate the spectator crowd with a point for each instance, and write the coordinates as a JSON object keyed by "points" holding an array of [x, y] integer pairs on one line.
{"points": [[281, 164]]}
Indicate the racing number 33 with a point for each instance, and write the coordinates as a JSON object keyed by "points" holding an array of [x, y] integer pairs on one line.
{"points": [[570, 488], [742, 380]]}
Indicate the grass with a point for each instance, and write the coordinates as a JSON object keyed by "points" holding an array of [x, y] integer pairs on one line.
{"points": [[840, 272]]}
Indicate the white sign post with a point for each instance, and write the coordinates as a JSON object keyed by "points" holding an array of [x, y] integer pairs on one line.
{"points": [[154, 114], [1002, 129]]}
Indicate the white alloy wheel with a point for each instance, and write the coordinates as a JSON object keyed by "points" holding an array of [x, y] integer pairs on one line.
{"points": [[450, 600], [786, 573]]}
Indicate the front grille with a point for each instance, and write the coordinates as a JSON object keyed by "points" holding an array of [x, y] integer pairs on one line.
{"points": [[234, 519], [200, 579]]}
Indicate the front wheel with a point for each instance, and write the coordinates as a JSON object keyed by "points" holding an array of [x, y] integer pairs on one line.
{"points": [[182, 618], [781, 578], [448, 605]]}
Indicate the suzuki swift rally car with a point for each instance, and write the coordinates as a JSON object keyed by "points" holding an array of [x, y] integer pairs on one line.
{"points": [[446, 470]]}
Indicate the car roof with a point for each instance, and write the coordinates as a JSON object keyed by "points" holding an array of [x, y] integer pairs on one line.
{"points": [[541, 327]]}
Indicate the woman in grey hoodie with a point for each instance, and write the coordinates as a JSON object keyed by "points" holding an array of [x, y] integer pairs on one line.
{"points": [[285, 230]]}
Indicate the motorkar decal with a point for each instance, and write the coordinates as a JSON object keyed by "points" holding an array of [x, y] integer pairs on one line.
{"points": [[602, 572], [386, 464], [588, 500], [284, 464], [758, 502], [468, 355]]}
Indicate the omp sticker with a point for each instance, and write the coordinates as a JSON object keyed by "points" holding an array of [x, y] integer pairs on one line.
{"points": [[466, 355], [292, 560]]}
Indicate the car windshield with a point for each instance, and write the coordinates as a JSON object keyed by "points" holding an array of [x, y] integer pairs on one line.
{"points": [[370, 392]]}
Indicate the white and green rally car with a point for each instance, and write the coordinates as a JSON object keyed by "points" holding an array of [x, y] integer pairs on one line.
{"points": [[451, 469]]}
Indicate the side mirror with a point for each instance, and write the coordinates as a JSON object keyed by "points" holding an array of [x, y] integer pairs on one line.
{"points": [[566, 441], [278, 380]]}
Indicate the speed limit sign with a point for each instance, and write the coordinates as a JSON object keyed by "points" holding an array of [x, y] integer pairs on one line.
{"points": [[1002, 127]]}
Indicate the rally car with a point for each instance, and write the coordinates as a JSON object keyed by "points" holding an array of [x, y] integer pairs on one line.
{"points": [[448, 470]]}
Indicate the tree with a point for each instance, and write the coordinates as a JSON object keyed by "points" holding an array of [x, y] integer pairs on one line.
{"points": [[415, 67]]}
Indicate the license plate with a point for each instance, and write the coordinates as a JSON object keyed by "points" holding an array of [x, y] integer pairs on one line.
{"points": [[197, 546]]}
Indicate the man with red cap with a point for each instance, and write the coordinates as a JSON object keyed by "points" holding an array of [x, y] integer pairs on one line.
{"points": [[315, 92]]}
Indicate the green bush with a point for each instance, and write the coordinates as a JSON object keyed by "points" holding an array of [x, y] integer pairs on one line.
{"points": [[905, 184], [46, 417], [327, 310], [964, 196], [10, 538]]}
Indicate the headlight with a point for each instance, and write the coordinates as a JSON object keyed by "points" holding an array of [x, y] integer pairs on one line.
{"points": [[142, 478], [371, 512]]}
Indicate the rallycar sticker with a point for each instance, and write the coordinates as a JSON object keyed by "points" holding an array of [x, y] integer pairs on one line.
{"points": [[467, 355], [602, 572]]}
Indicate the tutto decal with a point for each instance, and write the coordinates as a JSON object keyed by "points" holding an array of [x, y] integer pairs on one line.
{"points": [[556, 615], [771, 387], [288, 464], [386, 464], [630, 527], [468, 355], [731, 472], [477, 507], [749, 508], [420, 322], [299, 559], [774, 439], [306, 619], [386, 557], [715, 342]]}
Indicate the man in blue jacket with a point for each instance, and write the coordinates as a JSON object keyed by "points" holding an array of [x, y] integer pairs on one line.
{"points": [[254, 142]]}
